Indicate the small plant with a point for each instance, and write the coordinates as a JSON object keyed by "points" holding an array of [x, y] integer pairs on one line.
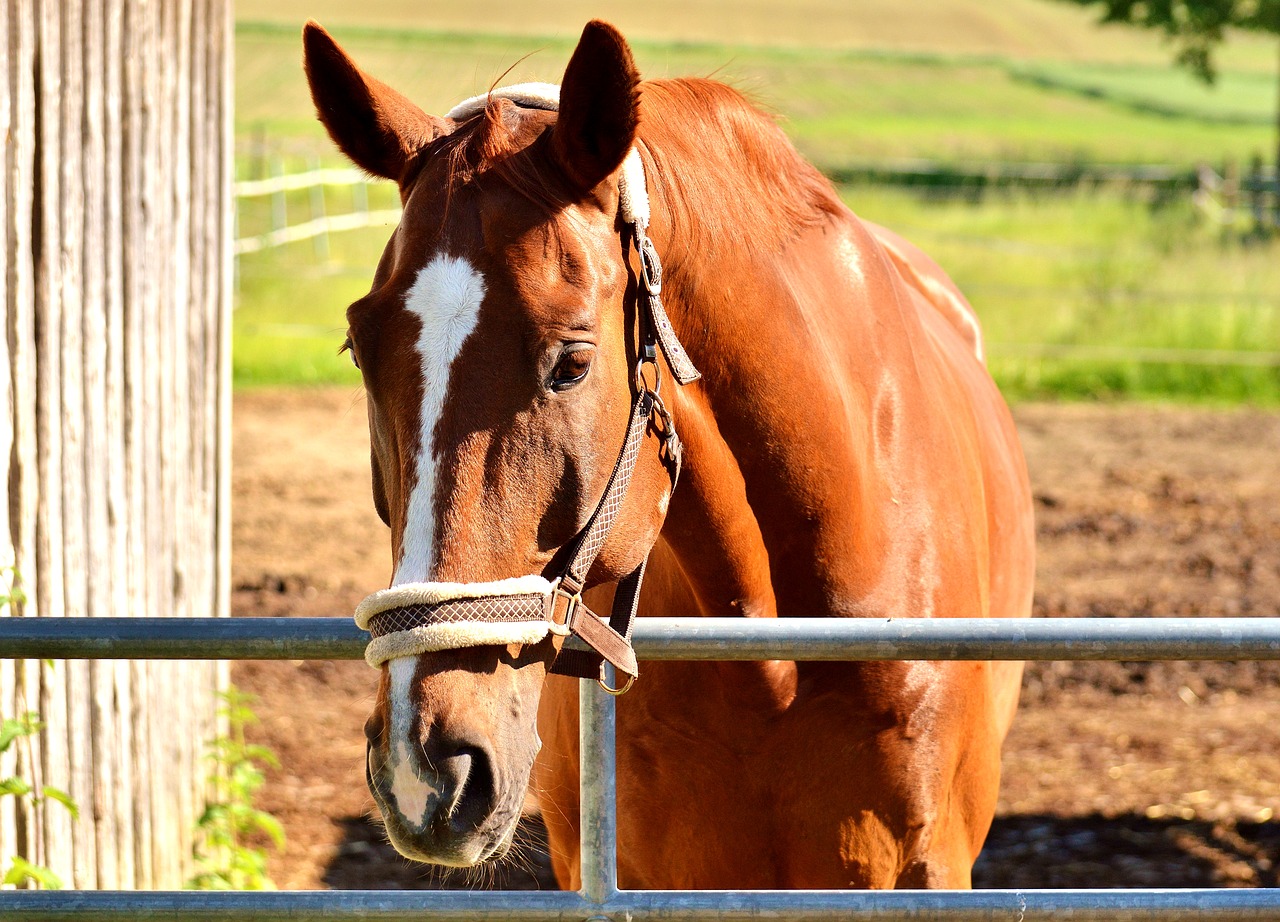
{"points": [[21, 871], [230, 824]]}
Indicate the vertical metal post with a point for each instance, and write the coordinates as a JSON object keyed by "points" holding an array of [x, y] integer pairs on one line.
{"points": [[598, 813]]}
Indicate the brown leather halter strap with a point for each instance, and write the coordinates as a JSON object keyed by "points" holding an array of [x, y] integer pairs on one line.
{"points": [[592, 639]]}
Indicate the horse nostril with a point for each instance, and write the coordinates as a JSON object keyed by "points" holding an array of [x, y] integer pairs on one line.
{"points": [[373, 728], [472, 779]]}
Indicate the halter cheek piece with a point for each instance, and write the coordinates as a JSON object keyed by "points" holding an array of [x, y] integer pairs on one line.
{"points": [[416, 618]]}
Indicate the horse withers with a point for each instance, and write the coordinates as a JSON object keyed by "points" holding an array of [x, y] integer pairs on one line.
{"points": [[843, 454]]}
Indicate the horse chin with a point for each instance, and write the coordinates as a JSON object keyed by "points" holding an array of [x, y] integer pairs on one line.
{"points": [[466, 854], [484, 845]]}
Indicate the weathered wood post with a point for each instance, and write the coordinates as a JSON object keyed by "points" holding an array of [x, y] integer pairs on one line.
{"points": [[114, 369]]}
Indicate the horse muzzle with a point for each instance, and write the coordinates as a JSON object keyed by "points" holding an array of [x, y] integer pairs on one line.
{"points": [[442, 803]]}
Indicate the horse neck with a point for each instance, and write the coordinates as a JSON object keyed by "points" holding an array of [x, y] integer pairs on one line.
{"points": [[770, 516]]}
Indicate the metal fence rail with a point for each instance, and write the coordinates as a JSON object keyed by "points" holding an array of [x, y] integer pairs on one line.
{"points": [[685, 905], [681, 638], [659, 638]]}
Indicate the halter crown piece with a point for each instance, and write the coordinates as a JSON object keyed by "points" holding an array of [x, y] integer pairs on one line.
{"points": [[416, 618]]}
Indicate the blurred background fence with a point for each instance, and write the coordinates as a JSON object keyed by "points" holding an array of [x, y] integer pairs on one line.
{"points": [[1115, 323]]}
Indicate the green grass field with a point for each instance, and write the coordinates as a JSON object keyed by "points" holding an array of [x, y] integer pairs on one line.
{"points": [[1026, 80], [1067, 270]]}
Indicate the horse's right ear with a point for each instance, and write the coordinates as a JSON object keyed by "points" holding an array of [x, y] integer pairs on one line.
{"points": [[599, 106], [377, 127]]}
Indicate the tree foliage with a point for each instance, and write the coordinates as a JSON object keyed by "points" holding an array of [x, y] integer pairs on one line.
{"points": [[1196, 27]]}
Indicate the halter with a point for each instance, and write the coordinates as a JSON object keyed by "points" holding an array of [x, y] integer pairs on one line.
{"points": [[416, 618]]}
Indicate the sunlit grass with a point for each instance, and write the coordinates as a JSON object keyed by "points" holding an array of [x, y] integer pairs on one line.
{"points": [[1077, 270], [1110, 271], [290, 310]]}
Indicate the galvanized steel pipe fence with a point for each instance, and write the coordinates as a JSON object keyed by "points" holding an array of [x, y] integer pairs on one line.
{"points": [[656, 639]]}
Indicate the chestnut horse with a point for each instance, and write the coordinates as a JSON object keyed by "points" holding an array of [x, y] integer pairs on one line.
{"points": [[846, 454]]}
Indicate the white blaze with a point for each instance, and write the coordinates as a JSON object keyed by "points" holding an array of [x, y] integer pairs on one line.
{"points": [[445, 297], [409, 792]]}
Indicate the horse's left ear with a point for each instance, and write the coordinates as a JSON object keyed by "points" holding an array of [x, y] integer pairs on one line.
{"points": [[378, 128], [599, 106]]}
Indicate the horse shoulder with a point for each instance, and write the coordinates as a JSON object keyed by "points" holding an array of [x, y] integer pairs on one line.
{"points": [[932, 283]]}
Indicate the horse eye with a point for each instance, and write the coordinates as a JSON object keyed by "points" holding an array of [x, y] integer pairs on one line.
{"points": [[349, 347], [571, 369]]}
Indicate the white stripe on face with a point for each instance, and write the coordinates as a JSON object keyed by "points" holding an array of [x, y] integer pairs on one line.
{"points": [[446, 298], [409, 793]]}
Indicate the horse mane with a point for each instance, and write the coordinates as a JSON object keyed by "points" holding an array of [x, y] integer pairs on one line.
{"points": [[721, 169], [717, 166]]}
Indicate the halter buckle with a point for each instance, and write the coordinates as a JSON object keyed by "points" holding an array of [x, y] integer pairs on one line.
{"points": [[572, 601]]}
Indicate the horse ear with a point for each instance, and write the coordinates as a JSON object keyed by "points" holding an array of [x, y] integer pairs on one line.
{"points": [[375, 126], [599, 106]]}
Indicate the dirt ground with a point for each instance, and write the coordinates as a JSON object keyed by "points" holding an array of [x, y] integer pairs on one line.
{"points": [[1115, 774]]}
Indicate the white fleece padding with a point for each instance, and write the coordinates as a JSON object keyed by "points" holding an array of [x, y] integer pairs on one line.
{"points": [[435, 593], [529, 95], [633, 196], [454, 635]]}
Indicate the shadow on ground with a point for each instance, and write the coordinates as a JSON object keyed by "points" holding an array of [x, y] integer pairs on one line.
{"points": [[1038, 851], [366, 861], [1129, 850]]}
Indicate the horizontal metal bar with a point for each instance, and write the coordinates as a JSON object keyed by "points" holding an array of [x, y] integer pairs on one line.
{"points": [[958, 638], [681, 638], [181, 638], [691, 905]]}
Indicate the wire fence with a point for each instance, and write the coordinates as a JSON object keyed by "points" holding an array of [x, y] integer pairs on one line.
{"points": [[1228, 198], [319, 223], [1249, 203], [1229, 201]]}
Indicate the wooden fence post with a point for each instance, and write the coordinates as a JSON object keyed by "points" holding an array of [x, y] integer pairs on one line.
{"points": [[116, 230]]}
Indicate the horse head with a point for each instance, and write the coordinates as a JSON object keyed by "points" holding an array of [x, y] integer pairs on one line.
{"points": [[498, 351]]}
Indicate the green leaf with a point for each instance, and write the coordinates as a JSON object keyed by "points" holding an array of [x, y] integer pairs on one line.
{"points": [[14, 728], [263, 754], [213, 813], [63, 798], [271, 826], [15, 786], [23, 870]]}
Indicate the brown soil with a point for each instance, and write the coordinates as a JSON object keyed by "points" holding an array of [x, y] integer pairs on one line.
{"points": [[1115, 774]]}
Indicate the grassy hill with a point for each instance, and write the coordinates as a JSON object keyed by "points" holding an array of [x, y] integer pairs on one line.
{"points": [[842, 106], [1023, 29]]}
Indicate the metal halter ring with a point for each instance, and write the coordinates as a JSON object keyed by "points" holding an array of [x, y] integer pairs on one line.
{"points": [[641, 384], [617, 692]]}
